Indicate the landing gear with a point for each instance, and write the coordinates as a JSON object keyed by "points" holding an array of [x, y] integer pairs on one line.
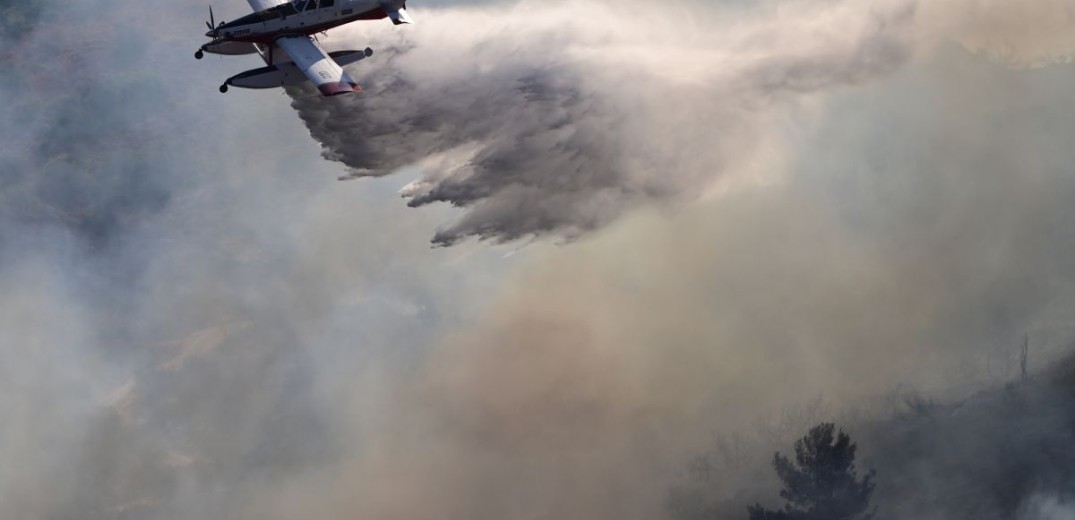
{"points": [[223, 88], [199, 54]]}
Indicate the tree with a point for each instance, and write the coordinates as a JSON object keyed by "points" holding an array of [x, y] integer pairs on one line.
{"points": [[821, 484]]}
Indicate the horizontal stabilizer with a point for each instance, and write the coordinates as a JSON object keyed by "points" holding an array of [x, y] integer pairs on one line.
{"points": [[348, 57], [399, 16]]}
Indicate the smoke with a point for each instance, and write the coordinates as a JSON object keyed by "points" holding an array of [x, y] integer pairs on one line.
{"points": [[1047, 508], [196, 324], [925, 228], [1022, 34], [553, 119]]}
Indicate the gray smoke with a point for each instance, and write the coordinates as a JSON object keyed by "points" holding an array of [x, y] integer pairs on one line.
{"points": [[196, 321], [554, 118], [91, 158]]}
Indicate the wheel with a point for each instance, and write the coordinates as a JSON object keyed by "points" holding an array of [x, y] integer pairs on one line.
{"points": [[223, 88], [198, 55]]}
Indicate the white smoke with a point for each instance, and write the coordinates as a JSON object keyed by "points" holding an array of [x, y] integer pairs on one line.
{"points": [[541, 118]]}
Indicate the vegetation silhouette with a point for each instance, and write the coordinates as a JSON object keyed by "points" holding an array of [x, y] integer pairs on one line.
{"points": [[821, 484]]}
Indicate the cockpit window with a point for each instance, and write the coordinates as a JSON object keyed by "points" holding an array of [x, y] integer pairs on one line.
{"points": [[261, 16], [287, 9], [282, 10]]}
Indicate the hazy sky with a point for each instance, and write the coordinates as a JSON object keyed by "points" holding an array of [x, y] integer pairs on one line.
{"points": [[662, 223]]}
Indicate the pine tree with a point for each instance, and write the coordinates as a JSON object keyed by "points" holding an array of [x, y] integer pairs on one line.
{"points": [[821, 484]]}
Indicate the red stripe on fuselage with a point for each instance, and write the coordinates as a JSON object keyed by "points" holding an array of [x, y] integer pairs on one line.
{"points": [[335, 89]]}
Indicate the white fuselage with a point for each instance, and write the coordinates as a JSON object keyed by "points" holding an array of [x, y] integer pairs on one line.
{"points": [[300, 18], [282, 32]]}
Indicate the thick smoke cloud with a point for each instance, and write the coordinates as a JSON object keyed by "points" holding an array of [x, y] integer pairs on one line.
{"points": [[90, 158], [544, 119], [249, 339]]}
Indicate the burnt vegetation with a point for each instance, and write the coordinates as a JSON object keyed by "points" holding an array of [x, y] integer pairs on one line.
{"points": [[1004, 452]]}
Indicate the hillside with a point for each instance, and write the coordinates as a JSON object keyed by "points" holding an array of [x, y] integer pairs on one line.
{"points": [[1005, 452]]}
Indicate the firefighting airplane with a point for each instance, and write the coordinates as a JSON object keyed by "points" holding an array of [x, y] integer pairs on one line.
{"points": [[281, 31]]}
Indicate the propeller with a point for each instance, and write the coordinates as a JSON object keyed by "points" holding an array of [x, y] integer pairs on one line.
{"points": [[212, 22]]}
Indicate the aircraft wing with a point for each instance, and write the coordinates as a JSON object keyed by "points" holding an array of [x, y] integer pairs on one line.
{"points": [[316, 64], [261, 5]]}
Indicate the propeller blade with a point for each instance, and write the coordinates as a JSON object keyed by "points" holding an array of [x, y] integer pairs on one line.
{"points": [[212, 21]]}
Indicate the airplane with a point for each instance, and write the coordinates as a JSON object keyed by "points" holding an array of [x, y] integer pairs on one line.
{"points": [[282, 32]]}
